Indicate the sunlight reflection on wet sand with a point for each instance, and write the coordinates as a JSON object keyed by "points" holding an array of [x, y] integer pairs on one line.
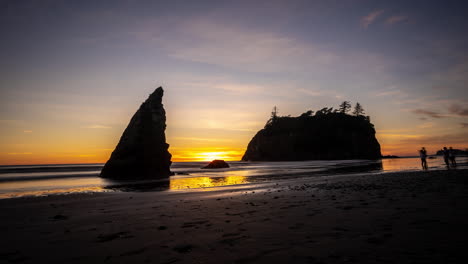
{"points": [[205, 182]]}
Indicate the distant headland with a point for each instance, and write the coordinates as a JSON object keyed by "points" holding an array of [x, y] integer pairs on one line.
{"points": [[326, 135], [457, 152]]}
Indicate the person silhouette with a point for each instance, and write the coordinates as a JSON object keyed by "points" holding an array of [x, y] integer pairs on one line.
{"points": [[446, 157], [423, 156], [452, 157]]}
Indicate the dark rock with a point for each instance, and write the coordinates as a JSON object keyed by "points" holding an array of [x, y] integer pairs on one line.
{"points": [[142, 149], [456, 152], [329, 136], [216, 164]]}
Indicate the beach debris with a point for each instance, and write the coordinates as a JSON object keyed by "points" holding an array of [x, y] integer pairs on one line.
{"points": [[142, 151], [216, 164]]}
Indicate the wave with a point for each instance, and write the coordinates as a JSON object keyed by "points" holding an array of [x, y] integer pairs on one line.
{"points": [[32, 177], [50, 168]]}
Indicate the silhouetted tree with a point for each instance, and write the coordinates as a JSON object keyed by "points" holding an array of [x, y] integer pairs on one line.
{"points": [[358, 110], [274, 113], [308, 113], [324, 111], [274, 116], [345, 107]]}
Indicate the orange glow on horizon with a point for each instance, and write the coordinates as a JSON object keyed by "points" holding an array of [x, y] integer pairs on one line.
{"points": [[76, 154], [202, 154], [101, 156]]}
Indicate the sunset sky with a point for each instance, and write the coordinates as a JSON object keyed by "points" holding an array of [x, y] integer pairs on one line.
{"points": [[74, 72]]}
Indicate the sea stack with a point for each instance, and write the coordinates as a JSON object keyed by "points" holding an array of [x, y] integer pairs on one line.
{"points": [[325, 136], [142, 152], [216, 164]]}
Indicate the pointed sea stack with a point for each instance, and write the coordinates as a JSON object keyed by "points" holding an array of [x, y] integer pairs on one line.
{"points": [[142, 150]]}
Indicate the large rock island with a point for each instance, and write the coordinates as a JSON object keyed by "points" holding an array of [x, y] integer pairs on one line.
{"points": [[142, 150], [327, 135]]}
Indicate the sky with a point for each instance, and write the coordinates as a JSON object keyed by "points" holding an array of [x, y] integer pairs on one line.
{"points": [[74, 72]]}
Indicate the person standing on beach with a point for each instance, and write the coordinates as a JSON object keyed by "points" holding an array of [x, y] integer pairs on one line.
{"points": [[423, 155], [446, 156], [452, 157]]}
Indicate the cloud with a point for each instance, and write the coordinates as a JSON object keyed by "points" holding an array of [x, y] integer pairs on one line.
{"points": [[426, 125], [370, 18], [233, 46], [98, 127], [446, 139], [427, 113], [19, 153], [201, 139], [311, 92], [464, 125], [225, 85], [395, 19], [458, 110], [391, 93], [27, 131]]}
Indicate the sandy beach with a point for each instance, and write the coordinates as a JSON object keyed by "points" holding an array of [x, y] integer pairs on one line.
{"points": [[413, 217]]}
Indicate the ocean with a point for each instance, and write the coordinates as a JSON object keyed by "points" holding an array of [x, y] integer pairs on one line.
{"points": [[61, 179]]}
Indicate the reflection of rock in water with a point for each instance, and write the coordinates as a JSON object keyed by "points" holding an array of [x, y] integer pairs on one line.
{"points": [[140, 186], [360, 167]]}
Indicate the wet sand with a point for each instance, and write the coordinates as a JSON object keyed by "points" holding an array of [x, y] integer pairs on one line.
{"points": [[414, 217]]}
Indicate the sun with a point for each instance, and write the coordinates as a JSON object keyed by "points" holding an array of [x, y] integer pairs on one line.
{"points": [[209, 156], [203, 154]]}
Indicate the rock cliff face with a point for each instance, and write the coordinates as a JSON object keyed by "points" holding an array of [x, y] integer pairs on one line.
{"points": [[142, 149], [321, 137]]}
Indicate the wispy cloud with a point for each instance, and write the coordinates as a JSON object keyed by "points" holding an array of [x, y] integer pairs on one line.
{"points": [[391, 93], [458, 110], [426, 125], [98, 127], [427, 113], [201, 139], [311, 92], [455, 139], [396, 19], [27, 131], [366, 21], [19, 153], [226, 85], [233, 46]]}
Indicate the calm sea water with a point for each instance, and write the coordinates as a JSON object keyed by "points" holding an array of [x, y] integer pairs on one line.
{"points": [[40, 180]]}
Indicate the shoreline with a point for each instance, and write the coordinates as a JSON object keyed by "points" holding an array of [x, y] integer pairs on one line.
{"points": [[158, 185], [402, 217]]}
